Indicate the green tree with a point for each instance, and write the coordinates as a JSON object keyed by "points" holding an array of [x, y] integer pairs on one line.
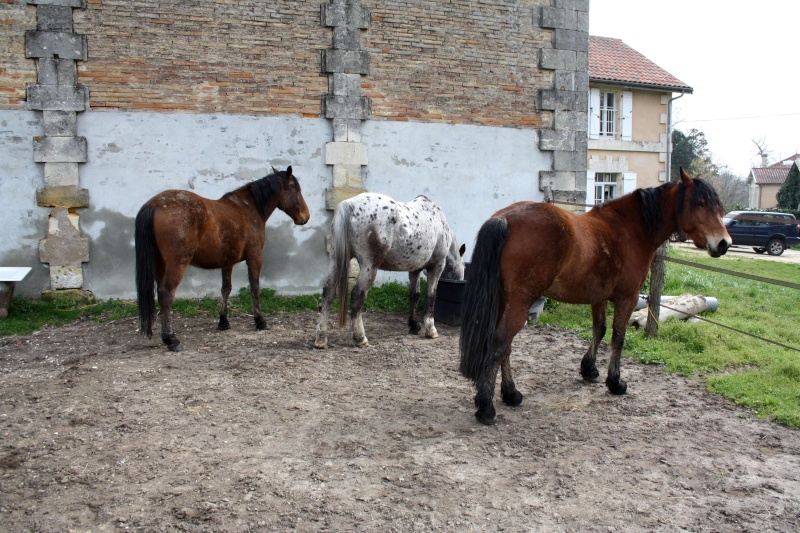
{"points": [[789, 193], [690, 151]]}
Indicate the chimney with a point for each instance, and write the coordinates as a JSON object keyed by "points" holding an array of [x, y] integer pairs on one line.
{"points": [[764, 160]]}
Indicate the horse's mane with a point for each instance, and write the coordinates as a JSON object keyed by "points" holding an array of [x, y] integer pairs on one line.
{"points": [[702, 192], [650, 198], [263, 189]]}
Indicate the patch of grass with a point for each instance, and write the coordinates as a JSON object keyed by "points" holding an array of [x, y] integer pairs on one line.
{"points": [[759, 375], [26, 316]]}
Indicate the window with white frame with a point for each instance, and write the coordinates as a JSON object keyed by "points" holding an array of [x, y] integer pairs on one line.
{"points": [[608, 114], [605, 187]]}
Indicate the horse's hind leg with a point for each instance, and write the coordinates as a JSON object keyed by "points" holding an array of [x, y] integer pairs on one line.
{"points": [[509, 325], [226, 292], [513, 321], [413, 300], [328, 290], [366, 277], [430, 300], [168, 284], [589, 361]]}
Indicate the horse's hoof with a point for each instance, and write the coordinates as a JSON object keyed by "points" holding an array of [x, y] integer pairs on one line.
{"points": [[321, 344], [589, 379], [363, 343], [262, 324], [414, 330], [618, 387], [175, 347], [487, 419], [433, 335], [590, 373], [514, 399], [223, 325]]}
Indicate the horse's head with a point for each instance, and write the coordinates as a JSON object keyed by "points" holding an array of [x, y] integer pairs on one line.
{"points": [[454, 264], [290, 199], [700, 215]]}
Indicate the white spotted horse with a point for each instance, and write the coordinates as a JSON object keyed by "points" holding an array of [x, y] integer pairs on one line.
{"points": [[383, 234]]}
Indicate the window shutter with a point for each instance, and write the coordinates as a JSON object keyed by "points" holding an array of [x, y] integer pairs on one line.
{"points": [[594, 113], [590, 200], [627, 115], [628, 182]]}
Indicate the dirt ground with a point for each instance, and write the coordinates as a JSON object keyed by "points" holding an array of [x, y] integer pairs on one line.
{"points": [[103, 430]]}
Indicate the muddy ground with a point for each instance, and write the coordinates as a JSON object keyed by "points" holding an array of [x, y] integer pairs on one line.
{"points": [[102, 430]]}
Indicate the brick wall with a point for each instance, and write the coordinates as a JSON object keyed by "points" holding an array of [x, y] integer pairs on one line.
{"points": [[234, 56], [457, 62], [15, 70]]}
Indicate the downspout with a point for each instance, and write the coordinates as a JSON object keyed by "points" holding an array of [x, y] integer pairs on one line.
{"points": [[669, 135]]}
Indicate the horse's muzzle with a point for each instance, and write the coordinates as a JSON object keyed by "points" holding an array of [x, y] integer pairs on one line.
{"points": [[720, 249]]}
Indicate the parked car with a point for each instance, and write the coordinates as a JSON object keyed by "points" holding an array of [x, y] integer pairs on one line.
{"points": [[763, 230]]}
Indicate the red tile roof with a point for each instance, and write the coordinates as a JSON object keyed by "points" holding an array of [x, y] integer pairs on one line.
{"points": [[773, 175], [612, 61], [786, 162]]}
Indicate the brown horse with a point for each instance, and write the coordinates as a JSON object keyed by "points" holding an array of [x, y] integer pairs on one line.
{"points": [[528, 250], [175, 229]]}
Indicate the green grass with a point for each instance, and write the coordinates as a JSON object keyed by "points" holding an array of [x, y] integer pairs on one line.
{"points": [[26, 315], [756, 374]]}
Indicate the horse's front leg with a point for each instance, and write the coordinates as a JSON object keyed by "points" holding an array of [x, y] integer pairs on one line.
{"points": [[253, 275], [589, 361], [622, 312], [226, 292], [434, 274], [366, 277], [413, 299]]}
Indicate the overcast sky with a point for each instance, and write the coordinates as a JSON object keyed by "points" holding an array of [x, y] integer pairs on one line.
{"points": [[741, 59]]}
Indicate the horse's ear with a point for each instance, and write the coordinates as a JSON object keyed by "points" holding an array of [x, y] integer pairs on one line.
{"points": [[686, 178], [275, 170], [289, 172], [462, 249]]}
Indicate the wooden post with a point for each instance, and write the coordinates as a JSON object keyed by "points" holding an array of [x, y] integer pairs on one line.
{"points": [[656, 287]]}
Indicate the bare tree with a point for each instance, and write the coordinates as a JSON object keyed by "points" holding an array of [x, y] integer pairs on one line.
{"points": [[763, 151]]}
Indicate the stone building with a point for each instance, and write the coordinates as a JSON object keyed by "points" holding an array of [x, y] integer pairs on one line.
{"points": [[103, 104]]}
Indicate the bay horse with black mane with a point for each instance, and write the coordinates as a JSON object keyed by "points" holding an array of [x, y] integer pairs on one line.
{"points": [[383, 234], [530, 249], [175, 229]]}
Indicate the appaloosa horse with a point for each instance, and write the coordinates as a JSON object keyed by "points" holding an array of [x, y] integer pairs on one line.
{"points": [[529, 249], [175, 229], [383, 234]]}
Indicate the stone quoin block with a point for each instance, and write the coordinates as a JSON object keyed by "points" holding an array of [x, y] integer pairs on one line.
{"points": [[81, 4], [62, 196], [59, 44], [556, 140], [57, 97], [59, 150], [60, 123], [61, 175], [346, 61], [345, 107], [571, 40], [350, 14], [558, 59], [54, 18], [346, 153]]}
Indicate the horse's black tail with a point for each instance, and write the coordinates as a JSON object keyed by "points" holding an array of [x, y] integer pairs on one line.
{"points": [[340, 254], [145, 269], [480, 307]]}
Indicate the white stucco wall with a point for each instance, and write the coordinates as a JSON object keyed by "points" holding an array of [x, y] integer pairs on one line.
{"points": [[470, 171]]}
